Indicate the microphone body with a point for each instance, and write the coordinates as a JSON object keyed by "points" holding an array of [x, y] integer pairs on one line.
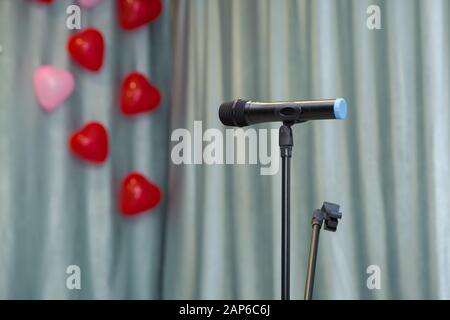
{"points": [[241, 113]]}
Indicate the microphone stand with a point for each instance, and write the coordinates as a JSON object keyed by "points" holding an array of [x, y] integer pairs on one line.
{"points": [[286, 143], [330, 214], [241, 113]]}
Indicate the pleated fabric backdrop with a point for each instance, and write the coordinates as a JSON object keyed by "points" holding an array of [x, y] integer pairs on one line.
{"points": [[217, 232], [55, 210], [387, 164]]}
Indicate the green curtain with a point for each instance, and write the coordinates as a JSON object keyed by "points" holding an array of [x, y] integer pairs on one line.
{"points": [[55, 210], [217, 232], [387, 164]]}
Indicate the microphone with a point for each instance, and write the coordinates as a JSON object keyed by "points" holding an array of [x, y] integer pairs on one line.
{"points": [[241, 113]]}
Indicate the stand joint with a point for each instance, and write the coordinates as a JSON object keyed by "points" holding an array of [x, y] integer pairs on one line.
{"points": [[286, 141]]}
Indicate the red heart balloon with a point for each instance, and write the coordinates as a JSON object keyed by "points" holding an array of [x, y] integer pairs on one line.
{"points": [[90, 142], [136, 13], [137, 194], [45, 1], [87, 49], [137, 95]]}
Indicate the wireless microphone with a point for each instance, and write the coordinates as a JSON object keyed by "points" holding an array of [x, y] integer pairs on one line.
{"points": [[241, 113]]}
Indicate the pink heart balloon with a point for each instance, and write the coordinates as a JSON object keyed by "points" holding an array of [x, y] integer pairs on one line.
{"points": [[52, 86], [88, 4]]}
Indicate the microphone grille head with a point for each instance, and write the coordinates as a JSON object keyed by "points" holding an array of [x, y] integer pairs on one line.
{"points": [[226, 113], [233, 113]]}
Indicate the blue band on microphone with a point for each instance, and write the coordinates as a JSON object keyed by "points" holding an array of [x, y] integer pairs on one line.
{"points": [[340, 109]]}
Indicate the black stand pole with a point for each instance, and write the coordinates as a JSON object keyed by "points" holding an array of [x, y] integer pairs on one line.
{"points": [[330, 214], [286, 143]]}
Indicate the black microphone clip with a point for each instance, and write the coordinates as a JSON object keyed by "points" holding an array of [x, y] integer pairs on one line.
{"points": [[328, 213]]}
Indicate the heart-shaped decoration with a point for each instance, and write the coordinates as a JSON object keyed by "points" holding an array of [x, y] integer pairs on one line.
{"points": [[136, 13], [52, 86], [90, 142], [88, 4], [138, 95], [138, 194], [87, 49], [45, 1]]}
